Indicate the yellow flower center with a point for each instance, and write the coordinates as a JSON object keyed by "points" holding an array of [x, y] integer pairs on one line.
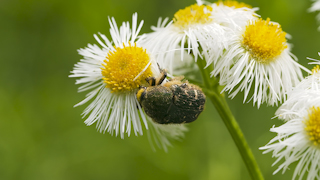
{"points": [[313, 125], [315, 69], [234, 4], [121, 67], [194, 14], [264, 40]]}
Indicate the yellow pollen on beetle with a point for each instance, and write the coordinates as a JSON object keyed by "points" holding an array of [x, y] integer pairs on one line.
{"points": [[315, 69], [121, 67], [194, 14], [313, 125], [264, 40], [234, 4]]}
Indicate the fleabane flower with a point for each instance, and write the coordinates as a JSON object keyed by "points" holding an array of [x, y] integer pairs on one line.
{"points": [[114, 74], [316, 7], [307, 89], [198, 28], [298, 140], [259, 57]]}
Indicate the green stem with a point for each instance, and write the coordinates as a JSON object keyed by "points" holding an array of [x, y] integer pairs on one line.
{"points": [[218, 100]]}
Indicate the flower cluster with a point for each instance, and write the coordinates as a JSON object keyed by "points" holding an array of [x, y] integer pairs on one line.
{"points": [[298, 139], [202, 30], [243, 52], [246, 52]]}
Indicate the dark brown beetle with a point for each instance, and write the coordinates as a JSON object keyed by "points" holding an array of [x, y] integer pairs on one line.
{"points": [[174, 102]]}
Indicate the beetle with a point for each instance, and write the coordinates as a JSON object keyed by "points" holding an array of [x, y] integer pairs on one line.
{"points": [[174, 102]]}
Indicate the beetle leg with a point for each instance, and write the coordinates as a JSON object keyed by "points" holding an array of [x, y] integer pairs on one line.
{"points": [[151, 81], [163, 76]]}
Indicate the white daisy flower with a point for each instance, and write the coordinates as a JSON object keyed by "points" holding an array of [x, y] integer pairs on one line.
{"points": [[259, 56], [200, 28], [307, 89], [316, 7], [114, 73], [298, 140]]}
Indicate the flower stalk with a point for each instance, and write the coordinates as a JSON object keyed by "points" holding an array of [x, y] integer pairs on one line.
{"points": [[212, 90]]}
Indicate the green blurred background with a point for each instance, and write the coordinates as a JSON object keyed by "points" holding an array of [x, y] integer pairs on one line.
{"points": [[43, 137]]}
